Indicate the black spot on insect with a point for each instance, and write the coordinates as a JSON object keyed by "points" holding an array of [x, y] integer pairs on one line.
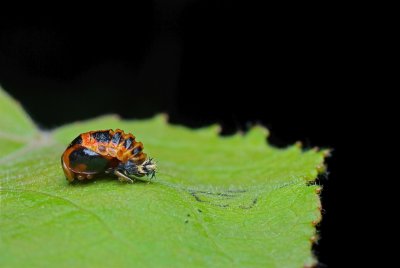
{"points": [[137, 150], [128, 143], [115, 139], [186, 221], [199, 210], [77, 140], [102, 136]]}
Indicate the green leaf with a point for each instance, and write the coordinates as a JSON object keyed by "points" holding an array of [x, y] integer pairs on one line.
{"points": [[216, 202]]}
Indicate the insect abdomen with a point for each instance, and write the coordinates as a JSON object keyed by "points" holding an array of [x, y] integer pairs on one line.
{"points": [[115, 144]]}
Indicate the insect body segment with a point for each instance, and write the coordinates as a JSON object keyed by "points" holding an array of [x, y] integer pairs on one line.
{"points": [[106, 151]]}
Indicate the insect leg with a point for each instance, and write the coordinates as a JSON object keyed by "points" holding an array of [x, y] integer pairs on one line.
{"points": [[122, 177]]}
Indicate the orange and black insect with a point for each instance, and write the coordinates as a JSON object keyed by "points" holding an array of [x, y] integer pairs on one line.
{"points": [[96, 153]]}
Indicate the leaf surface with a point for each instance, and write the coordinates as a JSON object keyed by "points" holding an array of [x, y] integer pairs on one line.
{"points": [[217, 201]]}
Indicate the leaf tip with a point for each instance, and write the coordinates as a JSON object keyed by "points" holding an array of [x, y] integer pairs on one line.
{"points": [[161, 118], [318, 190], [257, 133], [317, 220], [314, 239], [327, 152], [215, 128], [299, 144]]}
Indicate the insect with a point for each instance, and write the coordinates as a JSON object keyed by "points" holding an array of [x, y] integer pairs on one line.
{"points": [[96, 153]]}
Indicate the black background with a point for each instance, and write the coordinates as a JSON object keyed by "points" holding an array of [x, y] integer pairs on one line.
{"points": [[202, 62]]}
